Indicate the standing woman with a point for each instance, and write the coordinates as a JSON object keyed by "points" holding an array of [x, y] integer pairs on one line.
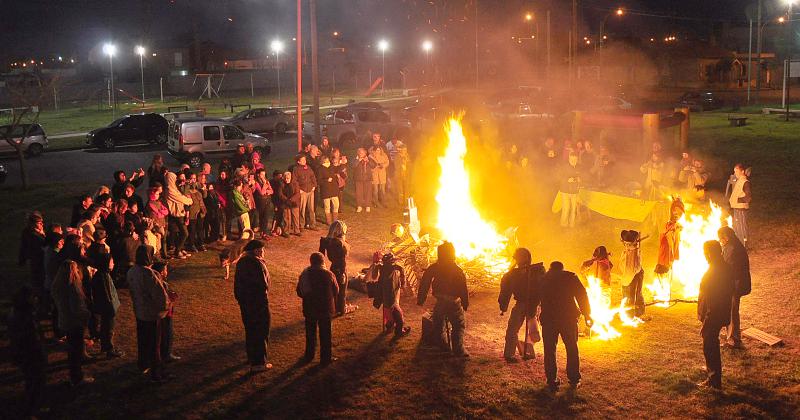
{"points": [[154, 172], [740, 202], [73, 316], [339, 165], [223, 187], [336, 248]]}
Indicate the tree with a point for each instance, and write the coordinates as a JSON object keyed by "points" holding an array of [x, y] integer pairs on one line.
{"points": [[27, 97]]}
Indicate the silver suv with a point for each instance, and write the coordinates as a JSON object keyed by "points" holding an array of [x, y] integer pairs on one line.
{"points": [[34, 143], [194, 140], [354, 126]]}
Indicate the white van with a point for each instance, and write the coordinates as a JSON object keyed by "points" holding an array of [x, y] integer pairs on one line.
{"points": [[193, 140]]}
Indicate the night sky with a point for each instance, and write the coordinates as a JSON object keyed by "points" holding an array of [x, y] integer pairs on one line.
{"points": [[72, 27]]}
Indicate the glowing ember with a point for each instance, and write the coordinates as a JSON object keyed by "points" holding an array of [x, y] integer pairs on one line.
{"points": [[688, 270], [458, 219]]}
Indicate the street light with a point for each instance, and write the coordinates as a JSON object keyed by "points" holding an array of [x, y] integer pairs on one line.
{"points": [[383, 45], [140, 50], [619, 12], [110, 49], [277, 46]]}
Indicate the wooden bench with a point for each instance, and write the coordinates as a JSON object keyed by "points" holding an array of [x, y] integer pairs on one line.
{"points": [[232, 106], [178, 107], [737, 121]]}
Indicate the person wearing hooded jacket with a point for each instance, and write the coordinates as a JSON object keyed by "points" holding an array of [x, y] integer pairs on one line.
{"points": [[735, 254], [317, 287], [449, 284], [150, 305], [521, 282], [251, 290], [390, 280], [176, 203]]}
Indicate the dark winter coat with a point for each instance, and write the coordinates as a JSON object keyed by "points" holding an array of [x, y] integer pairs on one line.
{"points": [[290, 195], [328, 185], [362, 170], [390, 280], [336, 251], [105, 300], [716, 294], [568, 171], [251, 283], [447, 281], [305, 178], [558, 292], [523, 284], [318, 288], [735, 255], [25, 341], [124, 251], [31, 248]]}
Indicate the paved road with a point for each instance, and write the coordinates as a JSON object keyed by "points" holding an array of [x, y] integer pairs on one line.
{"points": [[98, 166]]}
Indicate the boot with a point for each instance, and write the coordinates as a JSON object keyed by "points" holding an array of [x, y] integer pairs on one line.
{"points": [[328, 218]]}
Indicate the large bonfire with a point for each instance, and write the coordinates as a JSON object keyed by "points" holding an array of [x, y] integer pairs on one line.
{"points": [[687, 271], [458, 220]]}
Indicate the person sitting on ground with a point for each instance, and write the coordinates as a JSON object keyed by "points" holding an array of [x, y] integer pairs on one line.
{"points": [[521, 282], [558, 293], [318, 288], [390, 280], [449, 284]]}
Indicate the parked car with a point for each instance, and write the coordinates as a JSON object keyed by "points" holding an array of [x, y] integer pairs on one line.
{"points": [[519, 111], [128, 129], [193, 140], [611, 103], [34, 143], [700, 101], [262, 120], [364, 105], [348, 126]]}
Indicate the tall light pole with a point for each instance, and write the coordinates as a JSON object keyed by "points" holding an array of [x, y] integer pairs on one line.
{"points": [[619, 12], [110, 49], [383, 45], [789, 40], [140, 50], [427, 46], [277, 46]]}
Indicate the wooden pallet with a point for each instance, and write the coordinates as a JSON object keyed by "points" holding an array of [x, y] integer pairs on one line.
{"points": [[759, 335]]}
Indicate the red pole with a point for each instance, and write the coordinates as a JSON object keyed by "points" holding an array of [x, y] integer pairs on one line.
{"points": [[299, 76]]}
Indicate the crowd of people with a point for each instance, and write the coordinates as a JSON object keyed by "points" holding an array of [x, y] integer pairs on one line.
{"points": [[117, 239]]}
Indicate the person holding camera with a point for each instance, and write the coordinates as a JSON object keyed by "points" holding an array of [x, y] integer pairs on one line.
{"points": [[558, 292]]}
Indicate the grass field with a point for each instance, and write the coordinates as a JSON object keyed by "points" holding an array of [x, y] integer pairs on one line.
{"points": [[649, 372]]}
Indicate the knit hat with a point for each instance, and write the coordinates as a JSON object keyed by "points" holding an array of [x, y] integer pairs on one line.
{"points": [[253, 245]]}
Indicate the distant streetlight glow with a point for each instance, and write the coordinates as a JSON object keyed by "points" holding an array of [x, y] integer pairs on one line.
{"points": [[427, 45], [383, 45], [109, 49], [335, 33], [781, 19], [140, 50], [277, 46], [620, 12], [529, 16]]}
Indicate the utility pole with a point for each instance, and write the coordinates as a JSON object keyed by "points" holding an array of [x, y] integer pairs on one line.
{"points": [[477, 52], [299, 76], [749, 59], [314, 67], [573, 43], [758, 54], [548, 44], [788, 72]]}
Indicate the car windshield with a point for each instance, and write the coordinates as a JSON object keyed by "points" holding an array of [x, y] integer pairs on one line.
{"points": [[117, 122], [241, 114]]}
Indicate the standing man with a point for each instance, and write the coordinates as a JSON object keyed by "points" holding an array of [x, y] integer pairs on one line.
{"points": [[569, 185], [251, 288], [150, 305], [740, 202], [558, 291], [318, 289], [714, 310], [449, 284], [522, 282], [735, 254], [176, 203], [304, 175]]}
